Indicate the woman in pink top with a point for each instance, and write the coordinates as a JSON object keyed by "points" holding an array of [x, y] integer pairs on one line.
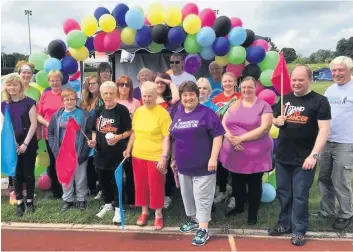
{"points": [[49, 103], [247, 148]]}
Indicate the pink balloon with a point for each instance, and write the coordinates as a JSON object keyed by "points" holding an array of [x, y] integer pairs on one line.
{"points": [[236, 22], [70, 25], [75, 76], [259, 87], [147, 22], [235, 69], [207, 16], [268, 96], [261, 42], [112, 41], [98, 42], [188, 9], [44, 182]]}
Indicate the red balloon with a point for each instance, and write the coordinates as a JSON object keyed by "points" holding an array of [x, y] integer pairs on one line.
{"points": [[261, 42], [188, 9], [259, 87], [44, 182], [112, 41], [268, 96], [70, 25], [236, 22], [207, 16], [98, 42], [235, 69], [75, 76]]}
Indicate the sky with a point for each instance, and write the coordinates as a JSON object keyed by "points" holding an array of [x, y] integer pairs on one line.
{"points": [[306, 26]]}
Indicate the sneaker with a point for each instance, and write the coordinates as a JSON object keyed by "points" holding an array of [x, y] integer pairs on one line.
{"points": [[30, 207], [279, 230], [66, 206], [220, 197], [200, 238], [298, 240], [189, 226], [98, 196], [104, 209], [81, 205], [117, 217], [20, 209], [341, 223], [321, 215], [167, 202], [231, 203]]}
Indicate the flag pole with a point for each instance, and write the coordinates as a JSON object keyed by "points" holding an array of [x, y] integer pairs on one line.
{"points": [[282, 89], [83, 133]]}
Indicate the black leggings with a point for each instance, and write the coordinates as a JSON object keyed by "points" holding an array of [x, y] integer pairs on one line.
{"points": [[222, 177], [254, 183], [92, 176], [108, 185], [130, 183], [25, 171], [56, 187], [170, 182]]}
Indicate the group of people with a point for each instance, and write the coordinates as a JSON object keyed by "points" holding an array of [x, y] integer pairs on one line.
{"points": [[168, 133]]}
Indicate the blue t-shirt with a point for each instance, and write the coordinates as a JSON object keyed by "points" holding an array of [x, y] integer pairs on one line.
{"points": [[216, 87], [77, 114], [211, 105]]}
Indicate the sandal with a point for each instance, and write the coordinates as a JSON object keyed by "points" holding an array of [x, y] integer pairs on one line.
{"points": [[158, 223], [141, 221]]}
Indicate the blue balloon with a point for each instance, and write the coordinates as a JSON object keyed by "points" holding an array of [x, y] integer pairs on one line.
{"points": [[52, 64], [237, 36], [63, 43], [171, 47], [176, 35], [89, 44], [143, 36], [65, 77], [76, 85], [69, 65], [268, 193], [207, 53], [206, 36], [134, 18], [119, 14], [221, 46], [100, 11], [255, 54]]}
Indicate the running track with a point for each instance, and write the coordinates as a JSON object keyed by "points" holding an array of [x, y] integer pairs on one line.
{"points": [[44, 240]]}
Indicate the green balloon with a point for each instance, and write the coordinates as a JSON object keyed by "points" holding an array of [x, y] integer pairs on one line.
{"points": [[190, 44], [155, 48], [237, 55], [41, 146], [270, 61], [38, 59], [42, 79], [266, 78], [76, 39], [272, 180], [39, 170]]}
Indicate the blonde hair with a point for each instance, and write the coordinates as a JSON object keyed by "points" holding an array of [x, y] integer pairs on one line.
{"points": [[88, 101], [149, 87], [108, 84], [55, 73], [347, 61], [67, 92], [22, 63], [230, 74], [12, 78], [143, 70], [206, 82]]}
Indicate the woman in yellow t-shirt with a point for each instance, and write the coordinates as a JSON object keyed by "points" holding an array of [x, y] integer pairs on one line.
{"points": [[149, 143]]}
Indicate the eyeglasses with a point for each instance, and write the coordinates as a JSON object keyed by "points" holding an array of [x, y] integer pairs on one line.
{"points": [[70, 99], [106, 71], [124, 85], [175, 62], [92, 83]]}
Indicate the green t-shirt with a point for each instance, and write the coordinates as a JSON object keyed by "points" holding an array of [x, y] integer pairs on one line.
{"points": [[33, 93]]}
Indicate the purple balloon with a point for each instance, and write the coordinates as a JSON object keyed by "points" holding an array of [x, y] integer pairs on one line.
{"points": [[192, 63], [221, 46], [255, 54], [143, 37], [100, 11], [69, 65], [89, 44], [176, 35], [119, 14]]}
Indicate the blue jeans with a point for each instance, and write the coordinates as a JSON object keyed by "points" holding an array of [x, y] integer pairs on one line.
{"points": [[293, 185]]}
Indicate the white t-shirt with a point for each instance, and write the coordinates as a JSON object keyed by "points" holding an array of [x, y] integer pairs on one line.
{"points": [[341, 101], [178, 79]]}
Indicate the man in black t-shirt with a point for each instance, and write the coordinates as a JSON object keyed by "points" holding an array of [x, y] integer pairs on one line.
{"points": [[303, 130]]}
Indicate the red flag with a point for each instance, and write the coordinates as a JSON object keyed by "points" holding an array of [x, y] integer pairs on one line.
{"points": [[66, 161], [281, 68]]}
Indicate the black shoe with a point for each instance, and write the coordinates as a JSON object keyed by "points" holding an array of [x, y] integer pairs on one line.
{"points": [[20, 209], [341, 224], [213, 208], [81, 205], [30, 207], [233, 212], [66, 205], [279, 230], [298, 240]]}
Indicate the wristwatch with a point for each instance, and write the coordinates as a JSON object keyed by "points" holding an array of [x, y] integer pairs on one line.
{"points": [[315, 155]]}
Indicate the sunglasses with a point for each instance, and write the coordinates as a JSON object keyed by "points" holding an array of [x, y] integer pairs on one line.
{"points": [[92, 83], [124, 85], [175, 62]]}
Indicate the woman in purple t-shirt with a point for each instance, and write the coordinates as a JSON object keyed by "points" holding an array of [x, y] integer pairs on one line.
{"points": [[247, 148], [197, 135], [23, 115]]}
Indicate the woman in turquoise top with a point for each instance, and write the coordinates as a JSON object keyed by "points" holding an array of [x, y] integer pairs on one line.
{"points": [[205, 91]]}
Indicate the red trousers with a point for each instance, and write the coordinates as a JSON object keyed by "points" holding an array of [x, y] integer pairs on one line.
{"points": [[149, 183]]}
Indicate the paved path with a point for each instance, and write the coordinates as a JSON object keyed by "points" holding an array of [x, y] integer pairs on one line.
{"points": [[61, 240]]}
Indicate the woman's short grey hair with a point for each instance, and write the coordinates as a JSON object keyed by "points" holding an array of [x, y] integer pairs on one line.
{"points": [[108, 85], [347, 61], [207, 84], [149, 87]]}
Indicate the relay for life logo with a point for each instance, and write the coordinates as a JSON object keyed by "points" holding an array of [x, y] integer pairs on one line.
{"points": [[295, 114]]}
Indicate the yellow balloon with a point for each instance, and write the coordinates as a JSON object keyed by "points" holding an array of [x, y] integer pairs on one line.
{"points": [[89, 25], [79, 54], [173, 16], [155, 14], [128, 36], [35, 85], [107, 23], [222, 60], [42, 159], [274, 132], [192, 24]]}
